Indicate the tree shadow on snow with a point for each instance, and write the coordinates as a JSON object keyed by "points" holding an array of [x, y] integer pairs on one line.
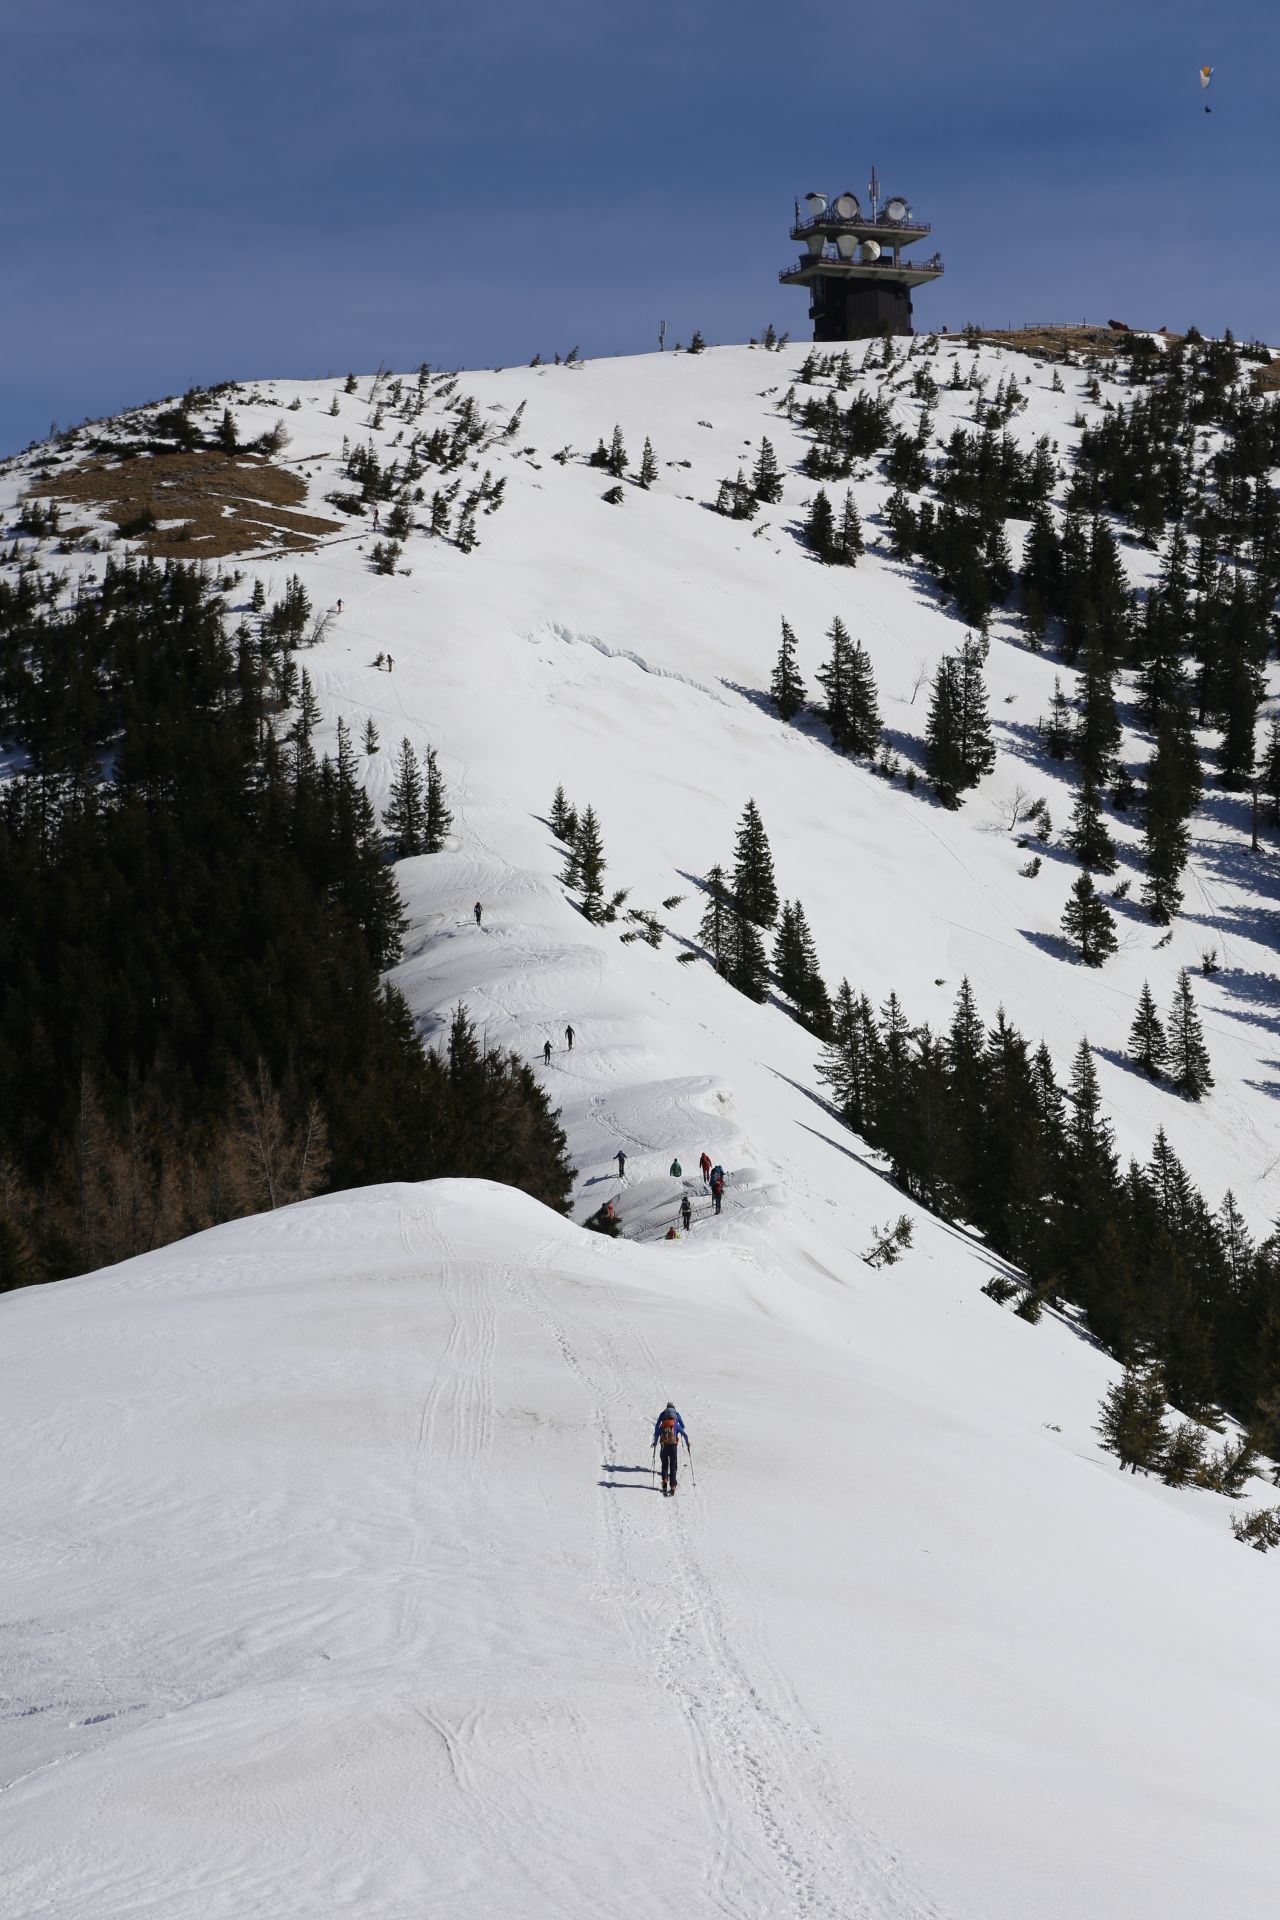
{"points": [[1051, 943]]}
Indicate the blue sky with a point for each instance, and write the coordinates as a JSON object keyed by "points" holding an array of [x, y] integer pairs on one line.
{"points": [[298, 187]]}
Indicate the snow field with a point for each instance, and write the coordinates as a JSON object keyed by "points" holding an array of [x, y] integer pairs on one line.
{"points": [[336, 1583]]}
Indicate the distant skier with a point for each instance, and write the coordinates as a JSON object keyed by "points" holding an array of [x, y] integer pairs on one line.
{"points": [[390, 664], [621, 1158], [705, 1165], [686, 1213], [668, 1431], [338, 608], [478, 911], [546, 1053], [568, 1034], [717, 1188]]}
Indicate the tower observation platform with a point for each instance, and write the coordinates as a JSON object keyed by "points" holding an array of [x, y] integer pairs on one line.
{"points": [[859, 283]]}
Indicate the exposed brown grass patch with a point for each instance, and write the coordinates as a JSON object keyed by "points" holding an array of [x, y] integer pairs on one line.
{"points": [[1052, 343], [204, 504]]}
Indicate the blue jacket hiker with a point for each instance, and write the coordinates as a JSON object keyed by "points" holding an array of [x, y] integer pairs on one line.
{"points": [[668, 1431]]}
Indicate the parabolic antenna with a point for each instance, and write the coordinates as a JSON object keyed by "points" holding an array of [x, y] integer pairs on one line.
{"points": [[897, 208], [816, 242], [870, 250], [846, 245], [846, 206], [814, 204]]}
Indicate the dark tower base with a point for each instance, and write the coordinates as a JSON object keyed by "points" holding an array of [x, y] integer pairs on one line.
{"points": [[857, 309]]}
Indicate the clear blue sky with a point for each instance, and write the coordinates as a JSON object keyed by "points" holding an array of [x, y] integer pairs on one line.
{"points": [[248, 187]]}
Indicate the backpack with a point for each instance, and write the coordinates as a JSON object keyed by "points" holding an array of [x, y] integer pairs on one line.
{"points": [[668, 1432]]}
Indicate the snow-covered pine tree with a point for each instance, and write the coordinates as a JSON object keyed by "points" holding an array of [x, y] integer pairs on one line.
{"points": [[820, 527], [1148, 1048], [1240, 690], [587, 865], [405, 818], [561, 815], [754, 890], [648, 466], [1097, 731], [616, 462], [786, 688], [1188, 1057], [745, 965], [1087, 924], [697, 344], [977, 750], [713, 928], [864, 705], [1087, 836], [438, 819], [795, 962], [371, 741], [1131, 1419], [1269, 772], [850, 1063], [766, 479], [851, 709], [848, 545], [1057, 728], [901, 521], [944, 762], [1165, 837]]}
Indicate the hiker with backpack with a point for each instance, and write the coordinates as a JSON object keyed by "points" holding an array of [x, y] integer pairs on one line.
{"points": [[705, 1168], [686, 1213], [668, 1431], [717, 1186]]}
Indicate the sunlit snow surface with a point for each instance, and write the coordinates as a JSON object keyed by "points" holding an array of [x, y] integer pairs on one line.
{"points": [[334, 1580]]}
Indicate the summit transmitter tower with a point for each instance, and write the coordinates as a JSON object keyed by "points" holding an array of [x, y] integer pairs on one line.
{"points": [[859, 284]]}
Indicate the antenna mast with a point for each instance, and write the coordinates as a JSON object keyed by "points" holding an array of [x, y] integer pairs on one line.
{"points": [[874, 191]]}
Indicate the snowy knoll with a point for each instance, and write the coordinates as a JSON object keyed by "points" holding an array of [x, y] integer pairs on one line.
{"points": [[335, 1583]]}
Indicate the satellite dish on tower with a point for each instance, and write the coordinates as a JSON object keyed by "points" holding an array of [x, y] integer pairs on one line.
{"points": [[897, 208], [870, 250], [846, 206], [814, 204], [846, 245]]}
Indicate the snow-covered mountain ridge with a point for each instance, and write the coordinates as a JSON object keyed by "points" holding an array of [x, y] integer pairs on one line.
{"points": [[397, 1645]]}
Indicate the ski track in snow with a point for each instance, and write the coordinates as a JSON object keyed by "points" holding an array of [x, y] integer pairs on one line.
{"points": [[760, 1773]]}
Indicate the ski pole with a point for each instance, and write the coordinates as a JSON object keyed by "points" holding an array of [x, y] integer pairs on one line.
{"points": [[652, 1465], [689, 1450]]}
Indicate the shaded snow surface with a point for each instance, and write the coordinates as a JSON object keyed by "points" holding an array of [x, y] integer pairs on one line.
{"points": [[334, 1578]]}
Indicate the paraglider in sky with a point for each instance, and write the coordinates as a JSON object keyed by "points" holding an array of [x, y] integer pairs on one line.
{"points": [[1206, 75]]}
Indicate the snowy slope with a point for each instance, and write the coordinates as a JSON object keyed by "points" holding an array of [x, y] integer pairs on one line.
{"points": [[327, 1535], [336, 1584]]}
